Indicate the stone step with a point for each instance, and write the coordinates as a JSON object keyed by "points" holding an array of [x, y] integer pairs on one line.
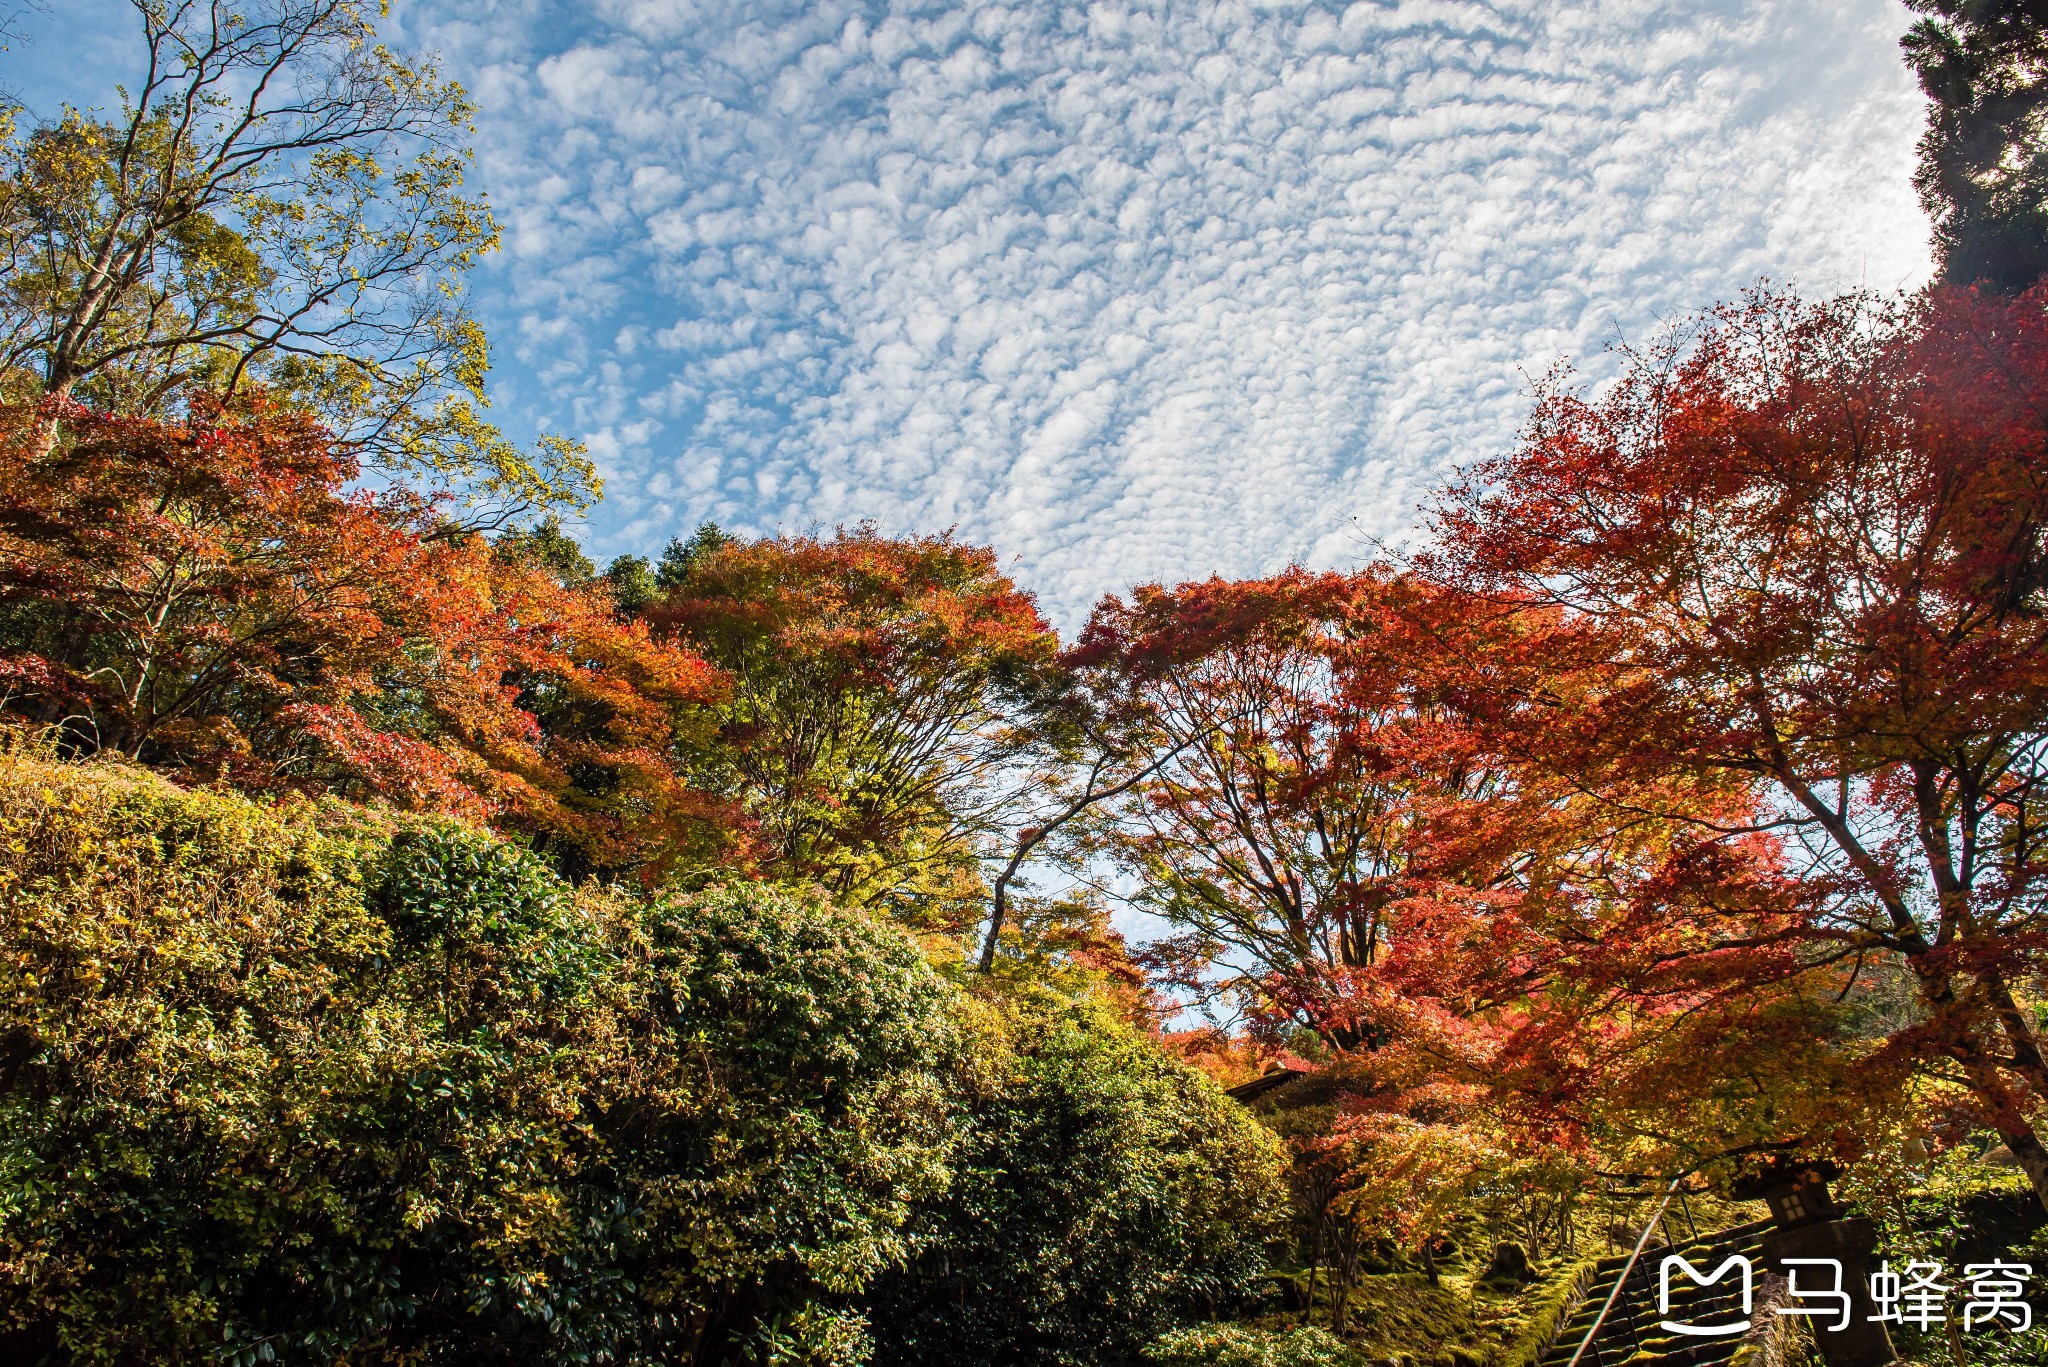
{"points": [[1702, 1255], [1704, 1353], [1632, 1334], [1736, 1234], [1691, 1302]]}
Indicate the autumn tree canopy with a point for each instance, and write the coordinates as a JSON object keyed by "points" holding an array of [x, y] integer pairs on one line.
{"points": [[1803, 548], [874, 720], [215, 597], [279, 202], [1279, 832], [510, 957]]}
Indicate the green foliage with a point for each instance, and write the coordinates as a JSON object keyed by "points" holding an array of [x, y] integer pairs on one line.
{"points": [[296, 1083], [1242, 1345], [680, 556], [303, 1082], [1983, 173], [1103, 1193], [1458, 1322], [279, 201], [632, 583], [817, 1051], [875, 717], [812, 1337], [443, 891], [546, 547], [1967, 1203]]}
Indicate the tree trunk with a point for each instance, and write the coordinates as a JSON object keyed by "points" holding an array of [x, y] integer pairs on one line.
{"points": [[1947, 1007], [2033, 1158], [1344, 1275], [1938, 988], [2005, 1114], [1315, 1260]]}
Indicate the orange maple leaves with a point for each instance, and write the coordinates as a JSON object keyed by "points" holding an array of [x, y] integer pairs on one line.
{"points": [[220, 598]]}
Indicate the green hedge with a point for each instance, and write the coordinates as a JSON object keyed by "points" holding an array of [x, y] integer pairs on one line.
{"points": [[308, 1083], [1104, 1193], [1242, 1345], [295, 1083]]}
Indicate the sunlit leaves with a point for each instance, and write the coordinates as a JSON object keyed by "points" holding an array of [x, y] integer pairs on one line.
{"points": [[1799, 548], [214, 598], [877, 692], [279, 203]]}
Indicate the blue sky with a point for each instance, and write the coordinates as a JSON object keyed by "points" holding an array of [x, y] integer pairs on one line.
{"points": [[1133, 290]]}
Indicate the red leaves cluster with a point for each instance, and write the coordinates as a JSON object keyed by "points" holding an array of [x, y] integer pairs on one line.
{"points": [[1723, 696], [219, 598], [1323, 805], [1798, 558], [1352, 844]]}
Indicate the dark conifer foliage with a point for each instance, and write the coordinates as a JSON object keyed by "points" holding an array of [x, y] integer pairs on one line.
{"points": [[680, 555], [1983, 173], [546, 547]]}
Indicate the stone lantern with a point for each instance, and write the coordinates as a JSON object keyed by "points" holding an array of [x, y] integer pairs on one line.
{"points": [[1810, 1225]]}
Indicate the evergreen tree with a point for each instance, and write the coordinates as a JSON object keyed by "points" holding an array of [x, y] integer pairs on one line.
{"points": [[1983, 173], [545, 546], [680, 555], [632, 584]]}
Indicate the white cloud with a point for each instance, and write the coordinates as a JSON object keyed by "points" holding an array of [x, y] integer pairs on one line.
{"points": [[1144, 289]]}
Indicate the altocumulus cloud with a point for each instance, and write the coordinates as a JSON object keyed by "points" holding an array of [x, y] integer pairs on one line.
{"points": [[1136, 290]]}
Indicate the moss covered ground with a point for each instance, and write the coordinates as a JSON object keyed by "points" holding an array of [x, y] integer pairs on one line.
{"points": [[1399, 1317]]}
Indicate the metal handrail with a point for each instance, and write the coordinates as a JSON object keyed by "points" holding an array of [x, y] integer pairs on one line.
{"points": [[1626, 1268]]}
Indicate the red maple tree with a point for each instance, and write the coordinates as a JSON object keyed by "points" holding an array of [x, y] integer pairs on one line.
{"points": [[1800, 546], [1320, 809], [216, 597]]}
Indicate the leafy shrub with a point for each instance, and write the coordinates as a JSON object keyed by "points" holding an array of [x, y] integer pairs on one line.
{"points": [[302, 1082], [296, 1083], [1104, 1192], [807, 1101], [172, 963], [1241, 1345]]}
